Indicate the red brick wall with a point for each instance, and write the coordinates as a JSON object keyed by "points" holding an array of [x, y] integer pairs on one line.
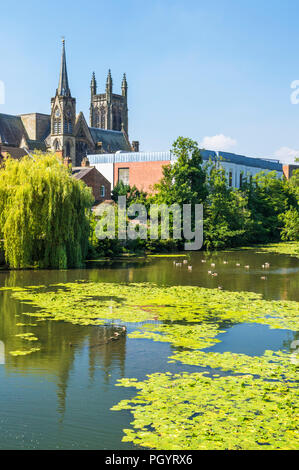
{"points": [[289, 169], [142, 174], [94, 179], [286, 171]]}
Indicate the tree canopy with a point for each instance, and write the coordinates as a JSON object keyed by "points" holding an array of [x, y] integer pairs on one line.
{"points": [[44, 213]]}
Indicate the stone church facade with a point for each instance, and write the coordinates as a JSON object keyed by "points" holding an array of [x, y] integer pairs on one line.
{"points": [[66, 132]]}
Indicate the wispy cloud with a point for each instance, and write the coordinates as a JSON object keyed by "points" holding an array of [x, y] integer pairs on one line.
{"points": [[286, 154], [218, 142]]}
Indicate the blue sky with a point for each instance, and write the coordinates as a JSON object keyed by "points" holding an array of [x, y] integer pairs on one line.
{"points": [[219, 72]]}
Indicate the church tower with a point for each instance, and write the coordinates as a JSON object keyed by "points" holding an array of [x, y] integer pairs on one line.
{"points": [[108, 110], [63, 114]]}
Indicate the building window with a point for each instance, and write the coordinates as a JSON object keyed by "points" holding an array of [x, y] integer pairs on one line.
{"points": [[103, 191], [68, 127], [57, 126], [230, 179], [123, 175]]}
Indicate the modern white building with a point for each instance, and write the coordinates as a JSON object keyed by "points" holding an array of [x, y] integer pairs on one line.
{"points": [[144, 169]]}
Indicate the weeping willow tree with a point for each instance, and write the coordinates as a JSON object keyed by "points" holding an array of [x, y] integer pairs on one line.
{"points": [[44, 213]]}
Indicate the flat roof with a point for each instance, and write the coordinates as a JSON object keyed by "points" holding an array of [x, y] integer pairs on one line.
{"points": [[125, 157]]}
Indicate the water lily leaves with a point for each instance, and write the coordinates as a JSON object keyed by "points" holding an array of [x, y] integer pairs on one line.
{"points": [[24, 352], [195, 336], [91, 303], [27, 336], [241, 402], [272, 365], [191, 411]]}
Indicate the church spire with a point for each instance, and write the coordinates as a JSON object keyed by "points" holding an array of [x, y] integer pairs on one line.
{"points": [[93, 84], [124, 85], [63, 86], [109, 83]]}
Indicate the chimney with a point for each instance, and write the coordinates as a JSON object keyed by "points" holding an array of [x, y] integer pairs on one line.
{"points": [[85, 162], [135, 145], [67, 162], [60, 154]]}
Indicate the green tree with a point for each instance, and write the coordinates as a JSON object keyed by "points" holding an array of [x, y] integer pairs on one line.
{"points": [[184, 181], [226, 216], [268, 198], [132, 194], [290, 221], [44, 213]]}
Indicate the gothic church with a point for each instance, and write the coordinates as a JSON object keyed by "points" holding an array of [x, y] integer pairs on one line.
{"points": [[67, 132]]}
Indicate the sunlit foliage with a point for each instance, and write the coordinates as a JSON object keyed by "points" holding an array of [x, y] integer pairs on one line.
{"points": [[43, 213]]}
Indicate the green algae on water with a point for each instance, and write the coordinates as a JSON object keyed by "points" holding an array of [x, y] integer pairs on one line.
{"points": [[276, 365], [91, 303], [194, 336], [192, 411], [27, 336], [24, 352]]}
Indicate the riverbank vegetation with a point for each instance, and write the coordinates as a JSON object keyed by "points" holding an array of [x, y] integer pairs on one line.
{"points": [[44, 214], [264, 210], [46, 219]]}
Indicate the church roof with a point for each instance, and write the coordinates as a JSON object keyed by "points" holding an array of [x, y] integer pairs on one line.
{"points": [[36, 145], [13, 152], [11, 130], [112, 141]]}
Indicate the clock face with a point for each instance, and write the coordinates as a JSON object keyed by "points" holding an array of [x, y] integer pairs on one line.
{"points": [[57, 113]]}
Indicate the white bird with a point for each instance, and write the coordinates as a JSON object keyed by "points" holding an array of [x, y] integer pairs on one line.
{"points": [[209, 272], [220, 287], [203, 260], [215, 274], [189, 268], [185, 261], [224, 262], [263, 278], [238, 264], [213, 265], [247, 267]]}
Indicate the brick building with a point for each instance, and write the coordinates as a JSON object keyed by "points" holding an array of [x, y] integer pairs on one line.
{"points": [[101, 187], [144, 169]]}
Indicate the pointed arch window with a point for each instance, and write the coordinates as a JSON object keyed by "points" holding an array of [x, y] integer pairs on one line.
{"points": [[57, 126]]}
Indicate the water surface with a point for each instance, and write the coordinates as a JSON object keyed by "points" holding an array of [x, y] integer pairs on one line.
{"points": [[60, 397]]}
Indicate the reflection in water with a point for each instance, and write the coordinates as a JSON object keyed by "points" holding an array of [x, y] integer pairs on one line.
{"points": [[60, 396]]}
